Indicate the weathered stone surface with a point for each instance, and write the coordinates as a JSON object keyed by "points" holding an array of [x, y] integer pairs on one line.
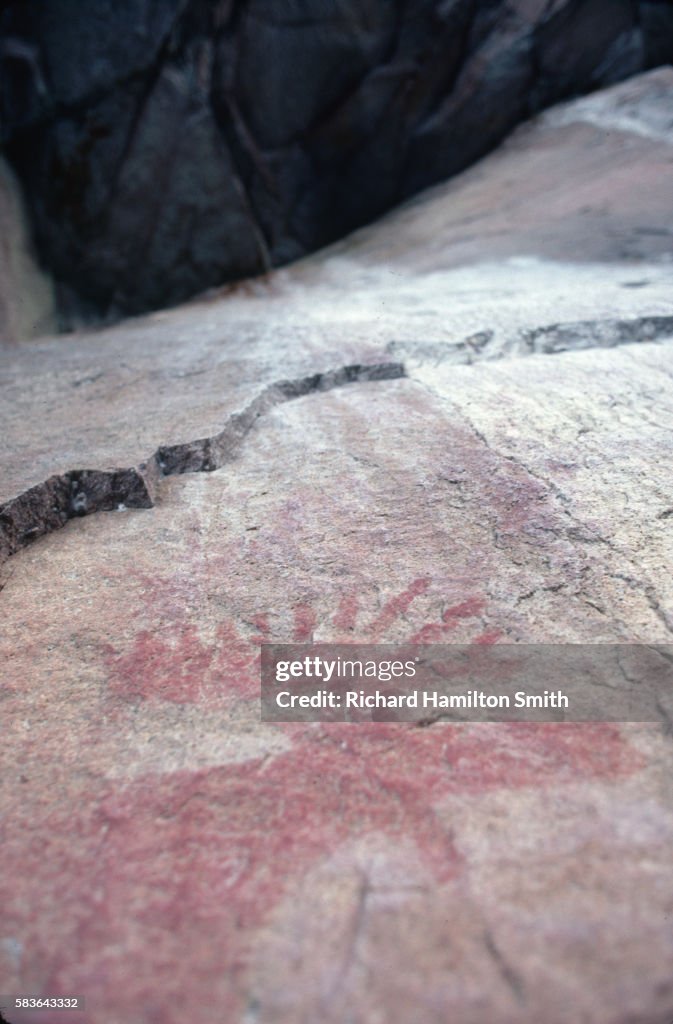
{"points": [[583, 183], [171, 857], [27, 305], [167, 147]]}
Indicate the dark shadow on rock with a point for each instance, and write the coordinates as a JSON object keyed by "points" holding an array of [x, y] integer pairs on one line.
{"points": [[165, 148]]}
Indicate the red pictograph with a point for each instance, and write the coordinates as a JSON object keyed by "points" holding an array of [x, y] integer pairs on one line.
{"points": [[178, 662], [209, 853]]}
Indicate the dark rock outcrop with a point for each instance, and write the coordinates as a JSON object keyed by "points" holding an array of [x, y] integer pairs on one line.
{"points": [[169, 145]]}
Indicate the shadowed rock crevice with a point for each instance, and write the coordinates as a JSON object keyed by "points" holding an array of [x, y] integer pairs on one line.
{"points": [[49, 505], [549, 339], [597, 334]]}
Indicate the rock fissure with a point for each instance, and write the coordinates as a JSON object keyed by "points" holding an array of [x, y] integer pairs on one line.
{"points": [[549, 339], [48, 506]]}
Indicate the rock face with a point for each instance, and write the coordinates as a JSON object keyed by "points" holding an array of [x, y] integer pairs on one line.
{"points": [[27, 304], [167, 147], [170, 857]]}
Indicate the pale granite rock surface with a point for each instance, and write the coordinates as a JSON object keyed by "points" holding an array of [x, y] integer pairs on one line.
{"points": [[495, 467], [27, 302]]}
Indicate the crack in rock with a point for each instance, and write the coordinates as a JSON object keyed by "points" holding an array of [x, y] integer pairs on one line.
{"points": [[506, 971], [584, 334], [550, 339], [48, 506]]}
